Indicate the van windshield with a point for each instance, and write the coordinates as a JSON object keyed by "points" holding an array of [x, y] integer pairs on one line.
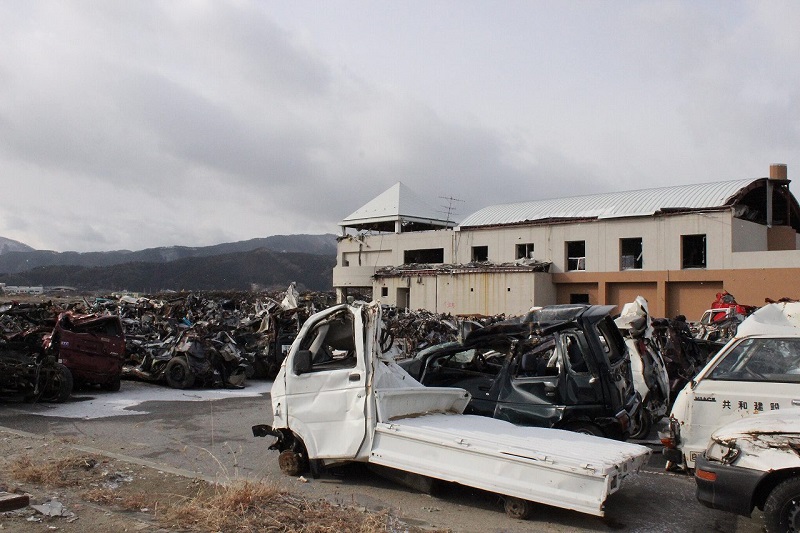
{"points": [[761, 359]]}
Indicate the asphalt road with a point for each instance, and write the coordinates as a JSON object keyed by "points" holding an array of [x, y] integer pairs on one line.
{"points": [[207, 433]]}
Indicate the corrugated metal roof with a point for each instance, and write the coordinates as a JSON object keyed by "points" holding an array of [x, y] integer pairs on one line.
{"points": [[395, 202], [612, 205]]}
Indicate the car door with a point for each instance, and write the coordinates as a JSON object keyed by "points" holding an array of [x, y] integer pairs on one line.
{"points": [[326, 402], [530, 389], [754, 375]]}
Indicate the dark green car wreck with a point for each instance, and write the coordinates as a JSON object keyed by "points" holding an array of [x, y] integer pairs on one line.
{"points": [[563, 366]]}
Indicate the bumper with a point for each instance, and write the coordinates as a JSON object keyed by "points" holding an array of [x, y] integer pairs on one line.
{"points": [[732, 487]]}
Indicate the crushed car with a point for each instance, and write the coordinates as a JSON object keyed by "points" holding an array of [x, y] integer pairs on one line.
{"points": [[193, 357], [561, 366], [650, 376], [28, 373], [757, 371], [755, 462]]}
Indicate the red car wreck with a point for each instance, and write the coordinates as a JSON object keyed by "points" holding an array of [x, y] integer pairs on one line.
{"points": [[91, 346]]}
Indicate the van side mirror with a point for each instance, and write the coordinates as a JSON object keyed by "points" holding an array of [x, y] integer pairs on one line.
{"points": [[302, 362]]}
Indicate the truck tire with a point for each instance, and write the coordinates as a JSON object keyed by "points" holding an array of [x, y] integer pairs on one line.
{"points": [[782, 507], [178, 373], [59, 385], [292, 463], [518, 508]]}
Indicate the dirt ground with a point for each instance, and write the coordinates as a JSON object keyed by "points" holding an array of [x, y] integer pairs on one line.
{"points": [[72, 491]]}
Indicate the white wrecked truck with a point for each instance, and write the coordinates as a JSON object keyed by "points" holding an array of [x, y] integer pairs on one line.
{"points": [[756, 372], [336, 399]]}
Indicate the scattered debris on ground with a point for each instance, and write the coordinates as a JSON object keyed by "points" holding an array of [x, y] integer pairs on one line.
{"points": [[71, 491]]}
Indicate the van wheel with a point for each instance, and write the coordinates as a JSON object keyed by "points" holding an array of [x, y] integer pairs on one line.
{"points": [[59, 385], [782, 507], [518, 508], [292, 463], [178, 373], [113, 385], [585, 428]]}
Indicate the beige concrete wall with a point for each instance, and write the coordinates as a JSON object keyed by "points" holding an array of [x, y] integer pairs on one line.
{"points": [[776, 259], [748, 236], [661, 240], [512, 293]]}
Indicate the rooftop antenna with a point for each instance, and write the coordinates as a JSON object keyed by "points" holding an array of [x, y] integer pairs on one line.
{"points": [[449, 209]]}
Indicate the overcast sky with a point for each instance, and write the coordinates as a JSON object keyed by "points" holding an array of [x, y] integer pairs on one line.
{"points": [[134, 124]]}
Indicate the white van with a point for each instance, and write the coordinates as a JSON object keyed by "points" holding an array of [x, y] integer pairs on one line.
{"points": [[757, 371]]}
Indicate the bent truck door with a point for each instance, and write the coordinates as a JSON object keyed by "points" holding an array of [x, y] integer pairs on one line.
{"points": [[326, 403]]}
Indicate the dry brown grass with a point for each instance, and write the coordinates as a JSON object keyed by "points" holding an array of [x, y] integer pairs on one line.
{"points": [[65, 472], [127, 501], [241, 506], [254, 507]]}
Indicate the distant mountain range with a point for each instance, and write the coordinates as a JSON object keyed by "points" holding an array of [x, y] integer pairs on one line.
{"points": [[9, 245], [270, 262]]}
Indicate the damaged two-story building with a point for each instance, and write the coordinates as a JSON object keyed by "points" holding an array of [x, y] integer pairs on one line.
{"points": [[677, 246]]}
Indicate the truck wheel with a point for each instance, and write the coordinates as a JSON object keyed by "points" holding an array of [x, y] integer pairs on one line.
{"points": [[782, 507], [585, 428], [292, 463], [178, 373], [59, 386], [518, 508]]}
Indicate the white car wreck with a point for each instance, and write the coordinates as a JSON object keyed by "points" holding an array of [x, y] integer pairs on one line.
{"points": [[755, 462], [756, 372], [337, 399]]}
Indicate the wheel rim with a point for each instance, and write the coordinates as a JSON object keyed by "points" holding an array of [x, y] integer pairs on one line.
{"points": [[793, 515], [177, 373]]}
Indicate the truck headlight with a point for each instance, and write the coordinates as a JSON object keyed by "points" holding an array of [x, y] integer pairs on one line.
{"points": [[724, 452]]}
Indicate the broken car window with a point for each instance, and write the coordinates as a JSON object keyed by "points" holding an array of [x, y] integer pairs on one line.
{"points": [[577, 363], [774, 360], [332, 344], [538, 357]]}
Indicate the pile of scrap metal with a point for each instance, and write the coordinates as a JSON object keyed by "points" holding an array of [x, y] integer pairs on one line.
{"points": [[213, 339], [718, 324], [682, 354], [406, 332], [27, 370], [523, 264]]}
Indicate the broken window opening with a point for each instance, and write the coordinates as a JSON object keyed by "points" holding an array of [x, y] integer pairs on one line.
{"points": [[630, 254], [693, 251], [524, 251], [429, 255], [384, 292], [480, 253], [576, 255], [332, 344], [579, 298]]}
